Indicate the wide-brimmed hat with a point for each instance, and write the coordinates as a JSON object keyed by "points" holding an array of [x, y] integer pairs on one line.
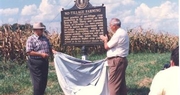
{"points": [[38, 25]]}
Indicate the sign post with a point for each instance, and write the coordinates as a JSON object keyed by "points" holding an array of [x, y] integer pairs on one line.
{"points": [[84, 53]]}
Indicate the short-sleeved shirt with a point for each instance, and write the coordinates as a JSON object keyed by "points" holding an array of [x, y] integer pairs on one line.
{"points": [[38, 44], [118, 44], [166, 82]]}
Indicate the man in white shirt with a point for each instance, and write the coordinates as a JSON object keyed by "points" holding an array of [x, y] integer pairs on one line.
{"points": [[167, 82], [118, 50]]}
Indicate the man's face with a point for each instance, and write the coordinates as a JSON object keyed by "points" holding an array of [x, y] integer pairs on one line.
{"points": [[112, 27], [39, 32]]}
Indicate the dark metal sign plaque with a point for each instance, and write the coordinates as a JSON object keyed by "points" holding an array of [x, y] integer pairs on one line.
{"points": [[83, 26]]}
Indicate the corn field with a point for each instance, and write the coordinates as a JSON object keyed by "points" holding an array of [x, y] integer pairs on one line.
{"points": [[12, 43], [149, 41]]}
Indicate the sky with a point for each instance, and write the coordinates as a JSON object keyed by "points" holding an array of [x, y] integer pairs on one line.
{"points": [[157, 15]]}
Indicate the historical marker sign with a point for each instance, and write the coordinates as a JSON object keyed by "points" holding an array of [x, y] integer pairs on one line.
{"points": [[82, 24]]}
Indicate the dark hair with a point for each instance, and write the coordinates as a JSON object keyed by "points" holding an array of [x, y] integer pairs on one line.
{"points": [[175, 56]]}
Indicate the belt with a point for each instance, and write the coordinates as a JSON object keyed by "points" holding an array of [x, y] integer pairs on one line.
{"points": [[115, 57], [37, 58]]}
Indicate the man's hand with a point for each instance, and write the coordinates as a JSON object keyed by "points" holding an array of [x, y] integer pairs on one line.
{"points": [[104, 38], [53, 51], [44, 55]]}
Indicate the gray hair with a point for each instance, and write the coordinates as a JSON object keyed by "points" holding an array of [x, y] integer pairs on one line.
{"points": [[115, 21]]}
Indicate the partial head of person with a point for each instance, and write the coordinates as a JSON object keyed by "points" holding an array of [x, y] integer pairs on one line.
{"points": [[38, 28], [115, 23], [175, 57]]}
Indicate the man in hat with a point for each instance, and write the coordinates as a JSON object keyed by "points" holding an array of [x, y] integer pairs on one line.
{"points": [[38, 49]]}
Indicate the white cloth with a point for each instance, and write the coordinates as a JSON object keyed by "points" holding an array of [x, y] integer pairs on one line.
{"points": [[118, 44], [166, 82], [81, 77]]}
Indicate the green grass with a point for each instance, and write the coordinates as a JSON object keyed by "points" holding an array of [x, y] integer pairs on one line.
{"points": [[141, 70], [15, 79]]}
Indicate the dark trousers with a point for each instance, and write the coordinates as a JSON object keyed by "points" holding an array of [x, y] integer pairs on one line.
{"points": [[39, 73], [117, 82]]}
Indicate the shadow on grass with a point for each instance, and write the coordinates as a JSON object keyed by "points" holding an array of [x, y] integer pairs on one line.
{"points": [[138, 91]]}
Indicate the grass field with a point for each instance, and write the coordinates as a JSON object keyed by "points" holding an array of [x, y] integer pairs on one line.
{"points": [[15, 79]]}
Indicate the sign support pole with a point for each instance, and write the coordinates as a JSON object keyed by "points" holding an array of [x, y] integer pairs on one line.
{"points": [[84, 53]]}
